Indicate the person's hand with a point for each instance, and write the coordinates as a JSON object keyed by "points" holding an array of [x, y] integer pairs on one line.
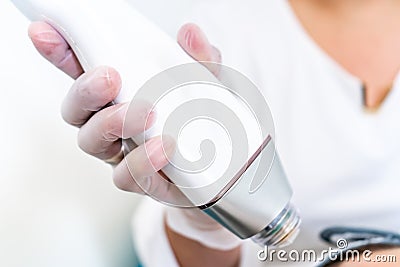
{"points": [[101, 130], [100, 127]]}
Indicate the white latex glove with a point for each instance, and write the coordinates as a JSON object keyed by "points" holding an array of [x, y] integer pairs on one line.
{"points": [[101, 127]]}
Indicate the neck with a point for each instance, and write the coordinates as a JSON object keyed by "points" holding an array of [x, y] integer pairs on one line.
{"points": [[356, 6], [363, 36]]}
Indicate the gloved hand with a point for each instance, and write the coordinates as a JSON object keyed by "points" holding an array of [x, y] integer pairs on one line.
{"points": [[101, 127]]}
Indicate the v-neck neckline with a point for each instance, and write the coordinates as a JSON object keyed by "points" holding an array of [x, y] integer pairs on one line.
{"points": [[342, 73]]}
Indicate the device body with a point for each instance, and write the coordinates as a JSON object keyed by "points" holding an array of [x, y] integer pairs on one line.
{"points": [[112, 33]]}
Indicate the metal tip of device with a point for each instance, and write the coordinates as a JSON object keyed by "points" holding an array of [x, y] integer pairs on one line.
{"points": [[282, 231]]}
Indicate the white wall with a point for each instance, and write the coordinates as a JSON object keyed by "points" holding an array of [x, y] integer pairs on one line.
{"points": [[58, 207]]}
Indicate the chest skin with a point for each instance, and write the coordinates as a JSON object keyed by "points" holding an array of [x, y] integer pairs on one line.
{"points": [[364, 38]]}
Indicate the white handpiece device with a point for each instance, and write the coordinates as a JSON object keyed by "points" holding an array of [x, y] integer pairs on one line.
{"points": [[112, 33]]}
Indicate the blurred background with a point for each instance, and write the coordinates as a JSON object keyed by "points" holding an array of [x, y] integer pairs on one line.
{"points": [[58, 206]]}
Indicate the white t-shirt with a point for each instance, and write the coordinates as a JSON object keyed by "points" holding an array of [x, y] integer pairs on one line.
{"points": [[343, 162]]}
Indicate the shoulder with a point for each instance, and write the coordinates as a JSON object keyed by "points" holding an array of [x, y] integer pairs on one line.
{"points": [[236, 16], [239, 24], [255, 36]]}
